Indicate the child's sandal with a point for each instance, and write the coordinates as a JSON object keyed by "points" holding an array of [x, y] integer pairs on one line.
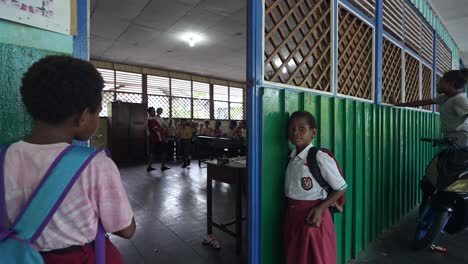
{"points": [[212, 241]]}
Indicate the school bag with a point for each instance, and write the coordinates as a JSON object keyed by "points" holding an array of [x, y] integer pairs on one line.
{"points": [[17, 241], [315, 170]]}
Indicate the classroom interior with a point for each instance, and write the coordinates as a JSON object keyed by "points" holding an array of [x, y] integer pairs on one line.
{"points": [[189, 59]]}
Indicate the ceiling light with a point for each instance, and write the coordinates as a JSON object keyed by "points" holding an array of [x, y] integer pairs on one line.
{"points": [[191, 38]]}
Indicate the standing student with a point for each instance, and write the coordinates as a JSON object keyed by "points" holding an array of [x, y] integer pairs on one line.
{"points": [[217, 132], [207, 131], [453, 107], [309, 233], [185, 134], [157, 138], [63, 96]]}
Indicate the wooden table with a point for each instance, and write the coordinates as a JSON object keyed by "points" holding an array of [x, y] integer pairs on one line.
{"points": [[215, 143], [231, 173]]}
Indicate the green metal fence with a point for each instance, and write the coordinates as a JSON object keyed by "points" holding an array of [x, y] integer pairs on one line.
{"points": [[378, 148]]}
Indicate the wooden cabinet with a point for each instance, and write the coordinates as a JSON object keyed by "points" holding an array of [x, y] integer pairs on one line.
{"points": [[127, 132]]}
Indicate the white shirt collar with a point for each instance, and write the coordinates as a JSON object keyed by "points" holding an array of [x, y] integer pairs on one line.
{"points": [[303, 154]]}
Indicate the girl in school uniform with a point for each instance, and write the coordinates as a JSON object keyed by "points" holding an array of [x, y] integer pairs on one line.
{"points": [[309, 233]]}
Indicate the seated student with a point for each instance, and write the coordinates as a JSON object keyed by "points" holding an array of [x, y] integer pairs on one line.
{"points": [[207, 131], [201, 129], [185, 134], [453, 107], [217, 132], [63, 96], [233, 131]]}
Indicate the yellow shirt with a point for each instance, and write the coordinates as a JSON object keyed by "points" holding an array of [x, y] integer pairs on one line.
{"points": [[185, 132]]}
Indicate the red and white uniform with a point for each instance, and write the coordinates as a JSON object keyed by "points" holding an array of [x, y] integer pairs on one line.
{"points": [[305, 244]]}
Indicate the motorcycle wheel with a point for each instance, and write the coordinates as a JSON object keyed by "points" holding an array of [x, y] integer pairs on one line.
{"points": [[429, 229]]}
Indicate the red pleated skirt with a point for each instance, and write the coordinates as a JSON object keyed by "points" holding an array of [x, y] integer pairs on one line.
{"points": [[305, 244]]}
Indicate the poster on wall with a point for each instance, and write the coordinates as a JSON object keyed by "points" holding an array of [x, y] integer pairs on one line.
{"points": [[53, 15]]}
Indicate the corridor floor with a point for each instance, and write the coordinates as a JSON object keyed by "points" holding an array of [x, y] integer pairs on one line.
{"points": [[394, 246], [170, 213]]}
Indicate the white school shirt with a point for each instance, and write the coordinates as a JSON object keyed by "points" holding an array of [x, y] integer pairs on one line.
{"points": [[301, 185], [454, 117]]}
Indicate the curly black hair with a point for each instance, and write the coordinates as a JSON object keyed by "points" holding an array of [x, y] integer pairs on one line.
{"points": [[58, 87], [306, 115]]}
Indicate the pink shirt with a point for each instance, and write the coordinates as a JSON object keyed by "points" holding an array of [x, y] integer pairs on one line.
{"points": [[97, 194]]}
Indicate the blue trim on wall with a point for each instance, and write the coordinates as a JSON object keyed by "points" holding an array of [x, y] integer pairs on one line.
{"points": [[378, 51], [393, 39], [335, 47], [80, 43], [351, 7], [434, 66], [254, 100]]}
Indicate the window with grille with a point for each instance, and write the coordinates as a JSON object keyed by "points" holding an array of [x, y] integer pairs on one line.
{"points": [[426, 88], [221, 110], [201, 100], [107, 98], [355, 59], [129, 97], [236, 99], [391, 72], [128, 82], [297, 43], [181, 93], [411, 78], [158, 101]]}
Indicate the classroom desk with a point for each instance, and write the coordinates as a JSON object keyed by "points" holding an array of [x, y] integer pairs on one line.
{"points": [[232, 173], [216, 143]]}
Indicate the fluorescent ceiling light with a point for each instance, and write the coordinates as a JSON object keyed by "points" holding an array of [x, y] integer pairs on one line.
{"points": [[192, 38]]}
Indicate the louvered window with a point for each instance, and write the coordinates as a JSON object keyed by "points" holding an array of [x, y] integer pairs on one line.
{"points": [[201, 102], [236, 106], [444, 56], [128, 82], [221, 101], [108, 76], [158, 85], [412, 28], [393, 17], [426, 41], [181, 92], [366, 6]]}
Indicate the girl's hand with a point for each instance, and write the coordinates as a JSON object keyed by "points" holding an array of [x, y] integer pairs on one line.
{"points": [[314, 217]]}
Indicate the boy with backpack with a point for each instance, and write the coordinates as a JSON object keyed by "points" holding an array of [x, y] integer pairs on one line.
{"points": [[56, 197]]}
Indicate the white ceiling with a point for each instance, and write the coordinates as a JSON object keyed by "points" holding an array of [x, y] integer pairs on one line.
{"points": [[454, 15], [146, 32]]}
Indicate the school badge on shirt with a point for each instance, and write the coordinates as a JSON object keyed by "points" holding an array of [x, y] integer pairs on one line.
{"points": [[306, 183]]}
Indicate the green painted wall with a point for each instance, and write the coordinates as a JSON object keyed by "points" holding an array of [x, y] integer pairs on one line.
{"points": [[21, 46], [378, 149]]}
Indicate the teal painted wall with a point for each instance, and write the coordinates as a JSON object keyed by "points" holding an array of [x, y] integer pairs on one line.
{"points": [[378, 148], [20, 47]]}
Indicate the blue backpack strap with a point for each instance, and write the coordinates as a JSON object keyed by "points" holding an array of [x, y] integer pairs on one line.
{"points": [[3, 209], [52, 190]]}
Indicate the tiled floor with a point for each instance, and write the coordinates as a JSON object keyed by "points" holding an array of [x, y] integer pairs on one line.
{"points": [[170, 211], [395, 247]]}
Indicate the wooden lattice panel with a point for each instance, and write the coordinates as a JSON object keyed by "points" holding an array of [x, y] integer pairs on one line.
{"points": [[426, 85], [391, 78], [438, 77], [411, 78], [393, 17], [412, 28], [366, 6], [354, 56], [297, 43], [444, 56]]}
